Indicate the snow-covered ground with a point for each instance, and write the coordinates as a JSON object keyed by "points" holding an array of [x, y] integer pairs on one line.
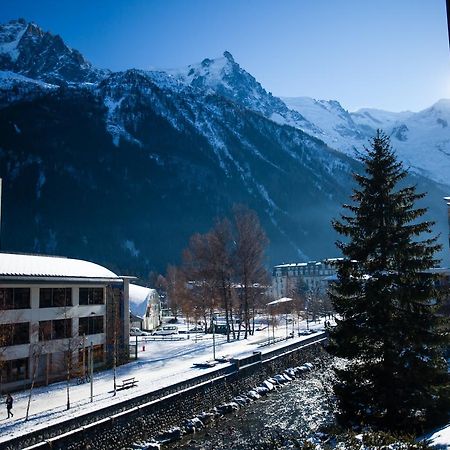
{"points": [[162, 363], [440, 438]]}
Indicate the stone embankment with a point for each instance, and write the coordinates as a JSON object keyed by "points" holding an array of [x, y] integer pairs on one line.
{"points": [[169, 413]]}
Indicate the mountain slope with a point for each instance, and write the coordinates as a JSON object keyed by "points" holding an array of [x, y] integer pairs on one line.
{"points": [[135, 201], [123, 167]]}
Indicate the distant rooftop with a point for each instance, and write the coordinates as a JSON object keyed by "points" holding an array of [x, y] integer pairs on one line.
{"points": [[309, 263], [21, 265]]}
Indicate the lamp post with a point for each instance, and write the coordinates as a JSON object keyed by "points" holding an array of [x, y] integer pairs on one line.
{"points": [[91, 369], [286, 318], [214, 337], [307, 314]]}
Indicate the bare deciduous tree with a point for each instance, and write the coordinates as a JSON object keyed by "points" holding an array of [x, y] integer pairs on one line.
{"points": [[175, 289], [220, 252], [250, 242]]}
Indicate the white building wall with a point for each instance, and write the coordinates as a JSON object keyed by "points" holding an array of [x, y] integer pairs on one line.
{"points": [[35, 314], [314, 274]]}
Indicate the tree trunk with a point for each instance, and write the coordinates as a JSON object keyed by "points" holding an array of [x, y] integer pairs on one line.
{"points": [[35, 363]]}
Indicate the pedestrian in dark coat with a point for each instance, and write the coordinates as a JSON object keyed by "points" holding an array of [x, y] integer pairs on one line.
{"points": [[9, 405]]}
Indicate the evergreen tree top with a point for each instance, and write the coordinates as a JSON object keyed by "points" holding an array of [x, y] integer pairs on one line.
{"points": [[383, 216]]}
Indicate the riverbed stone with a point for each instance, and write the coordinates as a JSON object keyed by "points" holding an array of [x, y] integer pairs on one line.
{"points": [[171, 435]]}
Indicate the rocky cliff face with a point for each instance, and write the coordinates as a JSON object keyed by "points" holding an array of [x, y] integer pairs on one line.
{"points": [[121, 168], [27, 50]]}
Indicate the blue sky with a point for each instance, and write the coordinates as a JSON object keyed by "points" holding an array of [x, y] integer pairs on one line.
{"points": [[388, 54]]}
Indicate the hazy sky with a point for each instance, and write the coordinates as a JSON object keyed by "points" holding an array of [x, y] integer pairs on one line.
{"points": [[388, 54]]}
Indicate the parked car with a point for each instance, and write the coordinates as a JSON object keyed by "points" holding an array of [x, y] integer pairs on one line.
{"points": [[306, 332], [138, 332], [166, 330]]}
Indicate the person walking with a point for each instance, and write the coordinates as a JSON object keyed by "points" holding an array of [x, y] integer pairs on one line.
{"points": [[9, 405]]}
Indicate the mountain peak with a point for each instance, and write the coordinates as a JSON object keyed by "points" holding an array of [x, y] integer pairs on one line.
{"points": [[228, 56], [28, 50]]}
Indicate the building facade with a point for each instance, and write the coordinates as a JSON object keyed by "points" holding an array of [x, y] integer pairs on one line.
{"points": [[53, 311], [313, 275]]}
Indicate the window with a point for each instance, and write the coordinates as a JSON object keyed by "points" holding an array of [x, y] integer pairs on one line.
{"points": [[14, 298], [90, 325], [14, 370], [15, 334], [45, 330], [61, 329], [54, 297], [98, 353], [91, 296], [55, 329]]}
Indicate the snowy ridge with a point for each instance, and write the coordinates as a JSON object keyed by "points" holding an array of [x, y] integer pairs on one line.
{"points": [[27, 49], [224, 77], [421, 140], [15, 88], [9, 79]]}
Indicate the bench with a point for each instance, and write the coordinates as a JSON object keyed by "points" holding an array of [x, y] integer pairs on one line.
{"points": [[205, 364], [127, 383]]}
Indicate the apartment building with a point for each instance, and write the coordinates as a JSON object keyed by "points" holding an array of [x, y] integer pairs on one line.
{"points": [[314, 274]]}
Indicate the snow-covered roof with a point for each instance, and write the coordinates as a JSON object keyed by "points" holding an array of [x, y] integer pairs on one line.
{"points": [[18, 265], [309, 263], [140, 297], [280, 300]]}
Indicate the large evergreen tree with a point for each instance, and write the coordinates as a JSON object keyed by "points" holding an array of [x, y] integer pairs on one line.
{"points": [[387, 327]]}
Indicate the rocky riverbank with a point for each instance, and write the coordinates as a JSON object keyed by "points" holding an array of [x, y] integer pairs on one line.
{"points": [[284, 409]]}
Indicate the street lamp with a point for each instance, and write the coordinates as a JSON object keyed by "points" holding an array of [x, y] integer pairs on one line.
{"points": [[91, 369], [214, 336], [307, 314]]}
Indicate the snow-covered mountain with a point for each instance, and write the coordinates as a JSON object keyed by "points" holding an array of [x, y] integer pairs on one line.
{"points": [[122, 167], [421, 140], [27, 50]]}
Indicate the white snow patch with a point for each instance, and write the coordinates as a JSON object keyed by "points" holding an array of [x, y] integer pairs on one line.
{"points": [[15, 31], [40, 183], [131, 247]]}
